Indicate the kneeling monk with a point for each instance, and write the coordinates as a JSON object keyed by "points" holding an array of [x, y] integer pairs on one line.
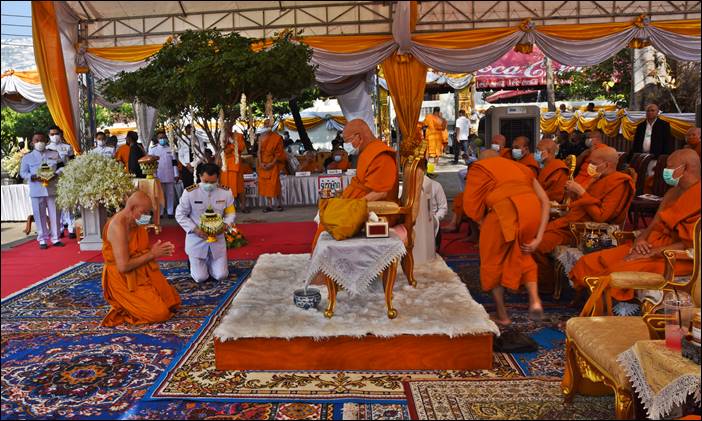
{"points": [[132, 282], [376, 170], [671, 229], [505, 198]]}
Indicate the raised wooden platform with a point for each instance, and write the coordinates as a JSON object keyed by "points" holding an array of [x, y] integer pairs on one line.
{"points": [[405, 352]]}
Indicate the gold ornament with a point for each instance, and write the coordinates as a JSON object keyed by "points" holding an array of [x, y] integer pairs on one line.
{"points": [[45, 174], [212, 224], [148, 165]]}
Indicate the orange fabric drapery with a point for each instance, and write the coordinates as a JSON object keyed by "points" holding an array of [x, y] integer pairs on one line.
{"points": [[463, 39], [50, 66], [345, 43], [29, 76], [406, 78], [584, 31], [690, 27], [128, 54]]}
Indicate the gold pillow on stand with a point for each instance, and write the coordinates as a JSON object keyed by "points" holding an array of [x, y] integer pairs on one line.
{"points": [[343, 218]]}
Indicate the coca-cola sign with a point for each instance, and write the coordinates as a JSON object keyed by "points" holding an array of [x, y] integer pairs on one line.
{"points": [[514, 70]]}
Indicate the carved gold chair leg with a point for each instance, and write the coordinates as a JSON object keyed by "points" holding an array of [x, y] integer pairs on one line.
{"points": [[571, 374], [389, 276], [623, 404], [408, 268], [594, 305], [331, 294], [558, 284]]}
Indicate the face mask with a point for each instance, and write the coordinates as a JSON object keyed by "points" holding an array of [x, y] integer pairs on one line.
{"points": [[54, 138], [588, 142], [337, 158], [592, 170], [162, 142], [208, 187], [144, 219], [40, 146], [348, 147], [101, 143], [668, 176], [495, 147], [517, 153], [538, 157]]}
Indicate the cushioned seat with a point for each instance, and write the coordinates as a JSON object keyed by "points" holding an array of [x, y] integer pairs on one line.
{"points": [[636, 280], [383, 207], [602, 339]]}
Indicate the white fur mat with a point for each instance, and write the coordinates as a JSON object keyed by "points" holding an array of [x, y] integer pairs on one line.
{"points": [[264, 308]]}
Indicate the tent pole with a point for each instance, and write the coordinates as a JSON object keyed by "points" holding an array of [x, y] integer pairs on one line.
{"points": [[91, 105]]}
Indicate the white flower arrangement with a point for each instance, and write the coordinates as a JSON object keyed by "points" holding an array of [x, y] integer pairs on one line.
{"points": [[11, 164], [91, 180]]}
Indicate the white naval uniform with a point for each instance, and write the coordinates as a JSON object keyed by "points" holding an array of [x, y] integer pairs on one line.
{"points": [[205, 258], [166, 173], [106, 151], [65, 152], [43, 198]]}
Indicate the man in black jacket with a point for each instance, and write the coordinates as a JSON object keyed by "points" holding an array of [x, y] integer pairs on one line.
{"points": [[652, 135]]}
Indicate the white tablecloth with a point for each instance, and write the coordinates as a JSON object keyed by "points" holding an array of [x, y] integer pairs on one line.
{"points": [[354, 263], [296, 191], [16, 204]]}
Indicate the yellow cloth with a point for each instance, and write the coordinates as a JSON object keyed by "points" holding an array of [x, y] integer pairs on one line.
{"points": [[29, 76], [129, 54], [343, 218], [463, 39], [406, 77], [49, 57]]}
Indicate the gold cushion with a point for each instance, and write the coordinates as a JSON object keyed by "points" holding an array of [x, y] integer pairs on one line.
{"points": [[602, 339], [381, 207], [637, 280]]}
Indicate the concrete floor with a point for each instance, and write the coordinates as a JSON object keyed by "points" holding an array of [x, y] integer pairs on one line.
{"points": [[12, 232]]}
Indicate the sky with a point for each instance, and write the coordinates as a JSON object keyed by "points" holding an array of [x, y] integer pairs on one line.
{"points": [[16, 41]]}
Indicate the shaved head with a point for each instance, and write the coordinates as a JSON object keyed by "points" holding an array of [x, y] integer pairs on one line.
{"points": [[488, 153], [358, 133], [596, 137], [605, 159], [686, 157], [547, 145], [521, 142], [692, 136], [499, 140], [138, 198]]}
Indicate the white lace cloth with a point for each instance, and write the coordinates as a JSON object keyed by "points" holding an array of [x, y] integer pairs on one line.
{"points": [[354, 263], [567, 256]]}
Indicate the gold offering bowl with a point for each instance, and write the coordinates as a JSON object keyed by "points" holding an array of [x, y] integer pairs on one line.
{"points": [[45, 174], [148, 165], [212, 224]]}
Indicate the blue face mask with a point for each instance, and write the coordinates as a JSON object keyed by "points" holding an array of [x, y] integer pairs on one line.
{"points": [[517, 153], [538, 157], [668, 176], [208, 187], [144, 219], [162, 142], [337, 158]]}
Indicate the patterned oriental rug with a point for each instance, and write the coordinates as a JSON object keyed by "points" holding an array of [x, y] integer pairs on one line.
{"points": [[57, 362]]}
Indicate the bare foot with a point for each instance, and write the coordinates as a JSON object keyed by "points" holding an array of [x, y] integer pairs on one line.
{"points": [[501, 322]]}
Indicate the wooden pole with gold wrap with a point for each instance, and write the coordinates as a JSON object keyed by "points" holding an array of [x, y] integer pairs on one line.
{"points": [[571, 163]]}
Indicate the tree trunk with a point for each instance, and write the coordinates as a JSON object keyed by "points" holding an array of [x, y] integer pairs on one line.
{"points": [[550, 92], [295, 110]]}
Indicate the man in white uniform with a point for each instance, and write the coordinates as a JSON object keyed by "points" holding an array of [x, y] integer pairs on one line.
{"points": [[101, 148], [462, 132], [43, 198], [206, 259], [167, 170], [65, 151]]}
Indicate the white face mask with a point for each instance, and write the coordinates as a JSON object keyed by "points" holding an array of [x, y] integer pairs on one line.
{"points": [[40, 146], [495, 147], [54, 138], [208, 187], [350, 149], [144, 219], [100, 143]]}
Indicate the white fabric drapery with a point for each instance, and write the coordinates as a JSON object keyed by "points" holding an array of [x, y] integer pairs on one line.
{"points": [[146, 122], [357, 104], [30, 95]]}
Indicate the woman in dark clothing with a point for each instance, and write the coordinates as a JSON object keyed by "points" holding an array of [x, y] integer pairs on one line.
{"points": [[136, 151]]}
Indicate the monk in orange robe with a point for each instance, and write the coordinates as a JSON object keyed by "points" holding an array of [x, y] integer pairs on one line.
{"points": [[233, 176], [692, 139], [434, 134], [554, 174], [498, 144], [672, 228], [309, 163], [376, 170], [122, 155], [132, 282], [521, 154], [505, 198], [595, 142], [340, 163], [271, 161], [606, 200]]}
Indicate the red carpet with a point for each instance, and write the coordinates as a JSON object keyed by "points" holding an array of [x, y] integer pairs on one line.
{"points": [[454, 243], [25, 265]]}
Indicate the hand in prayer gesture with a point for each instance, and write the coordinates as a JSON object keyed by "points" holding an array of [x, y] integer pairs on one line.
{"points": [[161, 249]]}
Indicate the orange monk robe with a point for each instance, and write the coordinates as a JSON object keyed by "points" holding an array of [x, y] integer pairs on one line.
{"points": [[140, 296], [434, 135], [122, 155], [552, 178], [530, 163], [607, 200], [271, 151], [344, 164], [506, 153], [311, 166], [376, 171], [677, 222], [500, 193], [458, 206], [233, 177], [583, 178]]}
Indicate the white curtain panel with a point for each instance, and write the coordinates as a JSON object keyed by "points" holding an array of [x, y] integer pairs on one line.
{"points": [[674, 45], [13, 85], [146, 122], [103, 68], [21, 105], [583, 53], [334, 67], [358, 104]]}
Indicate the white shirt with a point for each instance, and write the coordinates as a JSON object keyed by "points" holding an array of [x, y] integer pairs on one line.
{"points": [[167, 170], [463, 126], [107, 151], [438, 206], [64, 150], [647, 136], [30, 165]]}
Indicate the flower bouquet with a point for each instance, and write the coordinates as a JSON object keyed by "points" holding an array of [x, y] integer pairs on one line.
{"points": [[45, 173], [91, 181], [234, 238], [212, 224], [11, 164]]}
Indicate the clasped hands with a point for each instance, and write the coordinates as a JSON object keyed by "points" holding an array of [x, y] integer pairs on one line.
{"points": [[574, 187], [161, 249]]}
